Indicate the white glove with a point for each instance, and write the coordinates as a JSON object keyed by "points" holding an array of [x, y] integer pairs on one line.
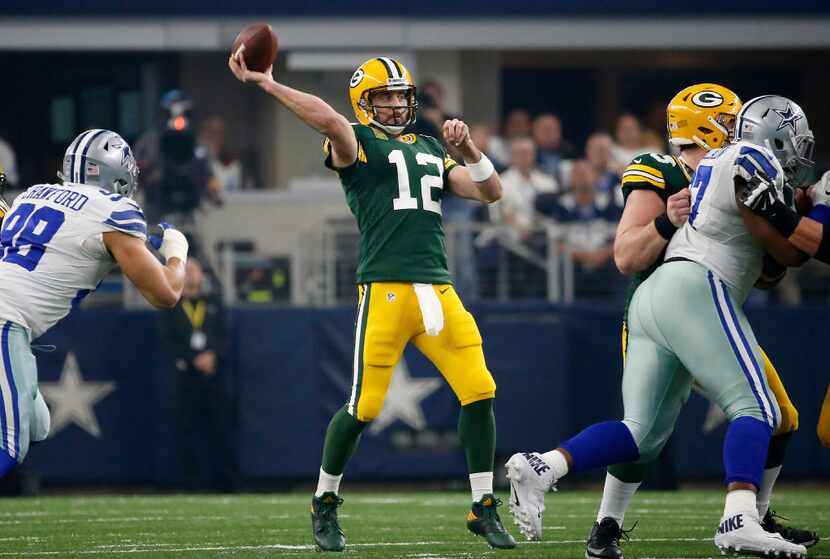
{"points": [[820, 192], [173, 244]]}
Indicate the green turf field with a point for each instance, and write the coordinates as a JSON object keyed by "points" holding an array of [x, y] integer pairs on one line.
{"points": [[377, 525]]}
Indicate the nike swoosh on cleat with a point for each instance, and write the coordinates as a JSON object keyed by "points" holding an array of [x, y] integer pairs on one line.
{"points": [[442, 291], [515, 493]]}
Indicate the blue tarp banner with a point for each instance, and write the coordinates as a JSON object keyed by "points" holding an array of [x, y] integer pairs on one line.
{"points": [[558, 369]]}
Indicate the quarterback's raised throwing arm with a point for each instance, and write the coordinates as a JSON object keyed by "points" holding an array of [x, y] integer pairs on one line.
{"points": [[311, 109]]}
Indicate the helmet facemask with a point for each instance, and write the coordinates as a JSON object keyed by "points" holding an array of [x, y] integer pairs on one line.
{"points": [[410, 108], [799, 166]]}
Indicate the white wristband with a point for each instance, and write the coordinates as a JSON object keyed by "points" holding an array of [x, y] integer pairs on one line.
{"points": [[173, 245], [482, 170]]}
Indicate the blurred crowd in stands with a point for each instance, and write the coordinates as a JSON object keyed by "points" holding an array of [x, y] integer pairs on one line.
{"points": [[553, 189], [556, 195]]}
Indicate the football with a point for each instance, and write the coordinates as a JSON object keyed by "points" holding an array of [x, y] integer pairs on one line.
{"points": [[260, 46]]}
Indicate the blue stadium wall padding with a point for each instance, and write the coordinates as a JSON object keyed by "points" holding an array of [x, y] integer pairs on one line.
{"points": [[558, 369]]}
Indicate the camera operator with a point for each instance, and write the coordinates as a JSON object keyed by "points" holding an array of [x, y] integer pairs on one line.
{"points": [[175, 178]]}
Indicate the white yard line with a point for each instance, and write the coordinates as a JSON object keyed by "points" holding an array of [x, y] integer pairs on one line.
{"points": [[152, 548]]}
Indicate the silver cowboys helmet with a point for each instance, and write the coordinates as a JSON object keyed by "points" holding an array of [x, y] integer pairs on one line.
{"points": [[101, 158], [780, 125]]}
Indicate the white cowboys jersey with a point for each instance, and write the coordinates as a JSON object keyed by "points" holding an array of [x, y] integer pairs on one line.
{"points": [[53, 252], [715, 235]]}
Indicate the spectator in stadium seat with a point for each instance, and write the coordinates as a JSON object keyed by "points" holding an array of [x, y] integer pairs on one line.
{"points": [[194, 334], [551, 147], [438, 94], [629, 141], [516, 125], [589, 233], [521, 183], [598, 156], [224, 163]]}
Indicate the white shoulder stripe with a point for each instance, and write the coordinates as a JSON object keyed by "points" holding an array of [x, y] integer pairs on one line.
{"points": [[644, 175]]}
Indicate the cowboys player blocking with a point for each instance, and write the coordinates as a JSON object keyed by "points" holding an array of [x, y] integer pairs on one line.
{"points": [[394, 183], [810, 233], [700, 118], [714, 259], [58, 242]]}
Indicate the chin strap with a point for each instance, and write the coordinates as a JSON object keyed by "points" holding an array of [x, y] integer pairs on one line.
{"points": [[388, 128]]}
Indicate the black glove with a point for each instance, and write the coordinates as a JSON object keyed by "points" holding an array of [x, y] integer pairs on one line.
{"points": [[760, 196]]}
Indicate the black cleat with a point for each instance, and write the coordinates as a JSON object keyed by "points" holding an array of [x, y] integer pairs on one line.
{"points": [[483, 520], [604, 541], [324, 526], [789, 533]]}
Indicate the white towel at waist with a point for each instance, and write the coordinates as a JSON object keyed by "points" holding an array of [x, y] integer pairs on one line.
{"points": [[431, 311]]}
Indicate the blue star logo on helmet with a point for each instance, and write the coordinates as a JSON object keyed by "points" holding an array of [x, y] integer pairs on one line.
{"points": [[788, 117]]}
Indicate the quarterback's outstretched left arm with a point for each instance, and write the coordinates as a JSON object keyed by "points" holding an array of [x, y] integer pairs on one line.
{"points": [[311, 109], [479, 179]]}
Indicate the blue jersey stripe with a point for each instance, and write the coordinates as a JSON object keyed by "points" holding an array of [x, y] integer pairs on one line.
{"points": [[134, 227], [127, 215], [747, 164], [761, 160], [10, 376]]}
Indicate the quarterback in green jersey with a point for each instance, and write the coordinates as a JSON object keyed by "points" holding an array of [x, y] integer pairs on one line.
{"points": [[700, 118], [394, 183]]}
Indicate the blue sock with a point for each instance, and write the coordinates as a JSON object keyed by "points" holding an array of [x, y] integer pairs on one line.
{"points": [[601, 444], [6, 463], [745, 450]]}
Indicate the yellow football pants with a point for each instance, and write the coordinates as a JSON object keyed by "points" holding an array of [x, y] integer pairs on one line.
{"points": [[789, 415], [388, 318], [823, 429]]}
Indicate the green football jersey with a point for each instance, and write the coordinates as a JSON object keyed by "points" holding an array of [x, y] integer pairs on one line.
{"points": [[394, 189], [663, 174]]}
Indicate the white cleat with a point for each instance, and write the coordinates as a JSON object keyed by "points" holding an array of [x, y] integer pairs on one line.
{"points": [[742, 534], [530, 478]]}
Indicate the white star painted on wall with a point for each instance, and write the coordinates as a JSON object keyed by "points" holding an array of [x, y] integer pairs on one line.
{"points": [[71, 399], [403, 400]]}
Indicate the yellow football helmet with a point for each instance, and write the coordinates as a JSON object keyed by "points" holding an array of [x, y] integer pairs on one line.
{"points": [[381, 74], [702, 114]]}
